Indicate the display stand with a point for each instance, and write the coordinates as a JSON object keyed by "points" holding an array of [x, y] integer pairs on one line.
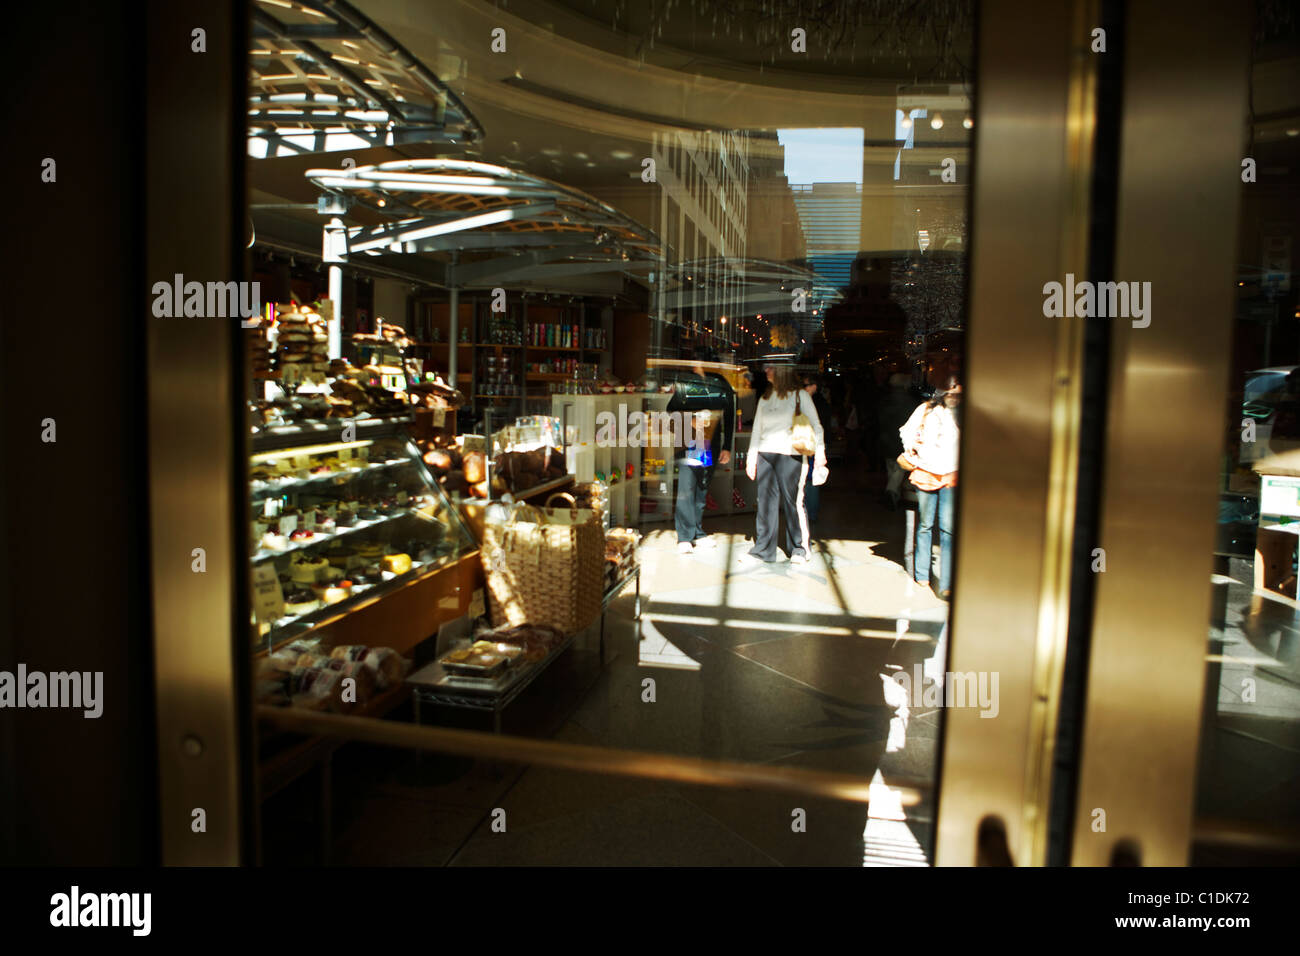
{"points": [[1279, 523], [433, 685], [589, 461]]}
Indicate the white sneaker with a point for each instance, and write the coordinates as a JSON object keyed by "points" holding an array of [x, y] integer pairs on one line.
{"points": [[800, 558], [706, 542], [685, 547], [745, 559]]}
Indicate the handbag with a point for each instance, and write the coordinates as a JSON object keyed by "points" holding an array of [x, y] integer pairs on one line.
{"points": [[803, 441]]}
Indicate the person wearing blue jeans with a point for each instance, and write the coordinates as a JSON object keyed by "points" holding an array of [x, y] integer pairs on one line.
{"points": [[929, 505], [931, 437]]}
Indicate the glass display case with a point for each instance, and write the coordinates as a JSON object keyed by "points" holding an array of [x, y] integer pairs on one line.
{"points": [[343, 514]]}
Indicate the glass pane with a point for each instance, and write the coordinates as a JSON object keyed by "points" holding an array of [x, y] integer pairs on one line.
{"points": [[660, 225], [1250, 751]]}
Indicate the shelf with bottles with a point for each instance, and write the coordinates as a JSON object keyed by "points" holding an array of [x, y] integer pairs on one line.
{"points": [[553, 336], [499, 375], [432, 326], [595, 339], [569, 368], [500, 329]]}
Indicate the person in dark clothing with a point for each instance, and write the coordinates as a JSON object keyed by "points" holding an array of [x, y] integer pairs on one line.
{"points": [[707, 404], [812, 492], [895, 408]]}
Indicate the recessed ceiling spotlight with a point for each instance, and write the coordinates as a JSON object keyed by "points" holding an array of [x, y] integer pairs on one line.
{"points": [[936, 121], [1293, 132], [968, 123], [906, 122]]}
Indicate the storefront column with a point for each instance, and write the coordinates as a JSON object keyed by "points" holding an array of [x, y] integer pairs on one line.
{"points": [[453, 350], [454, 336], [334, 252], [336, 319]]}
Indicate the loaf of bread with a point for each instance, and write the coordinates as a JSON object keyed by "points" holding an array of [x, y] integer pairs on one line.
{"points": [[475, 467], [387, 666]]}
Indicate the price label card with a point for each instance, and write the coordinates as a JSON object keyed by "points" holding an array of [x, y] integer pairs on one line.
{"points": [[271, 507], [476, 605], [268, 598], [402, 497], [309, 519], [302, 461], [288, 524], [345, 454], [331, 509]]}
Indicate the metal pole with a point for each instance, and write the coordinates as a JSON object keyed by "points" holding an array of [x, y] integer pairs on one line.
{"points": [[336, 320], [335, 244], [453, 347]]}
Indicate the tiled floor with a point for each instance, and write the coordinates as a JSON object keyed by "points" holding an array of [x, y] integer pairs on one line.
{"points": [[772, 664], [1249, 762]]}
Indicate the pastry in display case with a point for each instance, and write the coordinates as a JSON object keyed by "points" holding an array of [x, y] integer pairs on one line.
{"points": [[343, 512]]}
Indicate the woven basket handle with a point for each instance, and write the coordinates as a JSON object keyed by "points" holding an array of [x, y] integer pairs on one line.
{"points": [[573, 502]]}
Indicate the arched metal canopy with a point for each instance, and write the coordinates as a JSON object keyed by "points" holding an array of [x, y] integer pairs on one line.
{"points": [[511, 226], [325, 78]]}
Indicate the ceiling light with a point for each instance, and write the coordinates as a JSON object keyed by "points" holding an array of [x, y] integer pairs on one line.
{"points": [[968, 123], [906, 122], [936, 121], [1293, 132]]}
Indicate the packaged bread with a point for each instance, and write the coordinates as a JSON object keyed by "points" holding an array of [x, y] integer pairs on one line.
{"points": [[388, 666], [318, 688], [290, 652], [365, 678]]}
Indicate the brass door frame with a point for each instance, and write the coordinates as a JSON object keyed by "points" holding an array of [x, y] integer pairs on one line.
{"points": [[1185, 103], [1032, 169], [194, 202]]}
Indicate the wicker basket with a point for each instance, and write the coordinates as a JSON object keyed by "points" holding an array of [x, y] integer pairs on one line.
{"points": [[545, 566]]}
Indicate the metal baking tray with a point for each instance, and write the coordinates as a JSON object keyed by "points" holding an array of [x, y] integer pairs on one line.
{"points": [[473, 667]]}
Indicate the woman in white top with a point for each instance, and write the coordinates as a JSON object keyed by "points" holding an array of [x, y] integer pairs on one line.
{"points": [[930, 440], [778, 471]]}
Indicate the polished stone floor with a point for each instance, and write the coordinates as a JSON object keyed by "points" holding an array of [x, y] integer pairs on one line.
{"points": [[777, 664]]}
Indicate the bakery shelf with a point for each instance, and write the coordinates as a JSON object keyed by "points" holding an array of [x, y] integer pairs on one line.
{"points": [[263, 555], [284, 437], [295, 627], [292, 484]]}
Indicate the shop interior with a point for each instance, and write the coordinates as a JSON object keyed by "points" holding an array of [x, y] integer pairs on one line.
{"points": [[487, 242]]}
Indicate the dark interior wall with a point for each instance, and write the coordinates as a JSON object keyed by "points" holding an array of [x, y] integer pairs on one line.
{"points": [[75, 583]]}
